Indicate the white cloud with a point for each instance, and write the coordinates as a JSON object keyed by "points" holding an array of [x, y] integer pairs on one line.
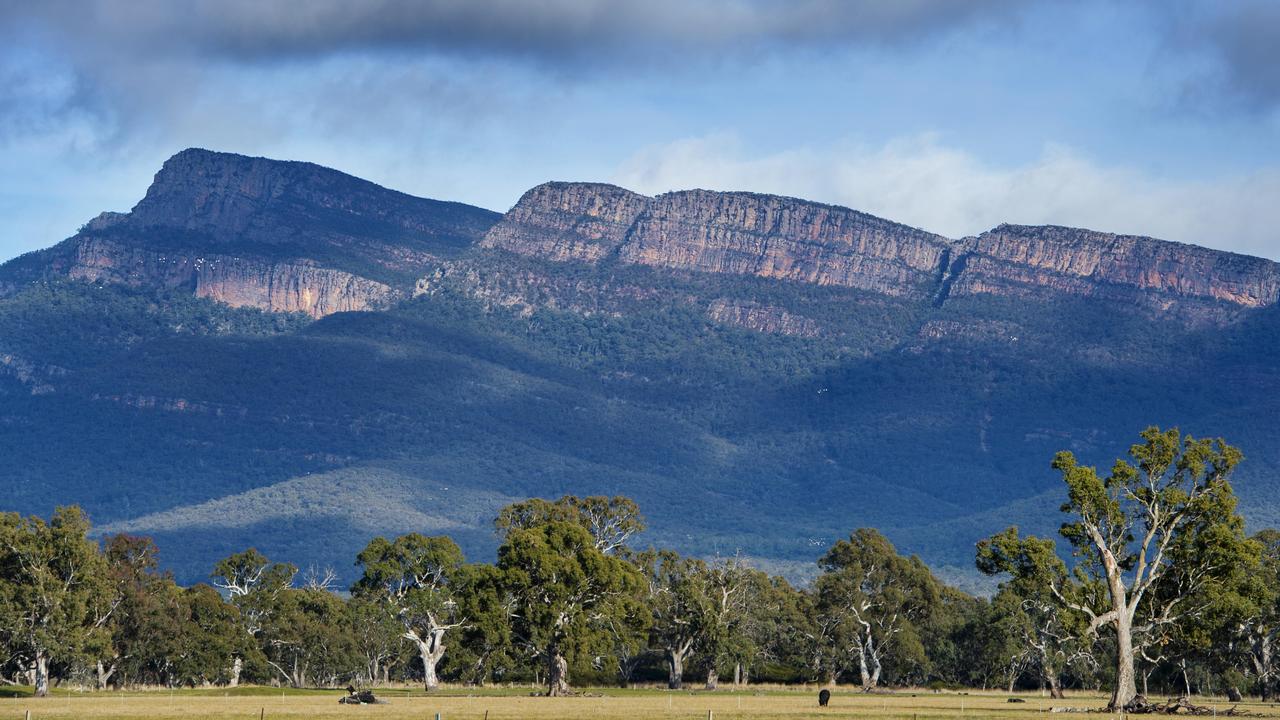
{"points": [[922, 182]]}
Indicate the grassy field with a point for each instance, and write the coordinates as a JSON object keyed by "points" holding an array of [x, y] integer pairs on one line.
{"points": [[611, 704]]}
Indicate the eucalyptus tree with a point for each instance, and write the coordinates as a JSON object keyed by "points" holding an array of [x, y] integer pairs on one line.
{"points": [[1149, 538], [675, 594], [376, 633], [1208, 634], [999, 647], [55, 594], [778, 628], [627, 628], [143, 633], [1037, 582], [948, 634], [414, 575], [564, 591], [147, 625], [307, 639], [1262, 631], [211, 639], [611, 521], [871, 599], [487, 649], [724, 611], [256, 586]]}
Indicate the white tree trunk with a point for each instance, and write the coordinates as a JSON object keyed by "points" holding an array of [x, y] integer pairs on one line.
{"points": [[429, 678], [237, 665], [104, 674], [431, 650], [675, 668], [869, 666], [41, 675], [864, 674], [558, 675], [1126, 678], [1266, 672], [1055, 685], [299, 676]]}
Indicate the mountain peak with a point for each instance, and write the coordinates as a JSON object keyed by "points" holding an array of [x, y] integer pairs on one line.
{"points": [[275, 234]]}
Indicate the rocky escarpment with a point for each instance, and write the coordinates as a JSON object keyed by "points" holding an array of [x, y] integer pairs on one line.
{"points": [[291, 236], [788, 239], [280, 236], [1020, 258], [741, 233], [254, 282], [568, 221], [762, 318]]}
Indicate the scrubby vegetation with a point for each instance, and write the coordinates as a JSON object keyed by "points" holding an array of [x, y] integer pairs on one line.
{"points": [[573, 599]]}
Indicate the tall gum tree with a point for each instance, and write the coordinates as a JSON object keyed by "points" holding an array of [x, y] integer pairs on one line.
{"points": [[725, 607], [255, 586], [564, 592], [611, 521], [674, 595], [55, 594], [1262, 630], [1047, 631], [870, 599], [1148, 537], [414, 575]]}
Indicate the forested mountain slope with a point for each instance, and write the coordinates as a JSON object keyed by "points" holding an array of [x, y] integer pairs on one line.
{"points": [[276, 354]]}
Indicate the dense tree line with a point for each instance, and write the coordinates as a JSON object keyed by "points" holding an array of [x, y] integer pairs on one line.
{"points": [[1163, 591]]}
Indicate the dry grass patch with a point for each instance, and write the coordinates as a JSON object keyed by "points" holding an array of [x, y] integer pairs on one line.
{"points": [[608, 705]]}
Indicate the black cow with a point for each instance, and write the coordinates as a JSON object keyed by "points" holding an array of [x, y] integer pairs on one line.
{"points": [[824, 697]]}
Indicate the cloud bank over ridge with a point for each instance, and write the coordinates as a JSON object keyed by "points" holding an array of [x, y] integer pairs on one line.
{"points": [[921, 181]]}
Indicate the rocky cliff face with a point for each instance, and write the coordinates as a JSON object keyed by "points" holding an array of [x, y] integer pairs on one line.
{"points": [[740, 233], [291, 236], [788, 239], [762, 318], [1013, 258], [254, 282], [568, 221], [280, 236]]}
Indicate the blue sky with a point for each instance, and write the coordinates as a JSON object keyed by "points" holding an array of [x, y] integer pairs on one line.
{"points": [[1156, 118]]}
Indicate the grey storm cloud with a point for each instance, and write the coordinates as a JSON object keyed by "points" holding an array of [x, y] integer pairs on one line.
{"points": [[550, 30], [1244, 37], [131, 64], [1227, 52]]}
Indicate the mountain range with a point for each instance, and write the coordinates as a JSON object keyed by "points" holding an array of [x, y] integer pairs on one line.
{"points": [[276, 354]]}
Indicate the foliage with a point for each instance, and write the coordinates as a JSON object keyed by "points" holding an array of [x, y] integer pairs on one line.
{"points": [[565, 593], [556, 605], [54, 591], [872, 602], [1159, 551], [413, 576]]}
